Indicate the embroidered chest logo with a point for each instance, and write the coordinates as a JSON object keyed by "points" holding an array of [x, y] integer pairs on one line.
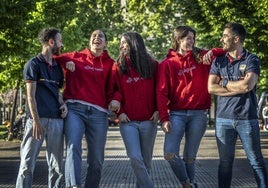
{"points": [[187, 70], [242, 69], [87, 67], [134, 79]]}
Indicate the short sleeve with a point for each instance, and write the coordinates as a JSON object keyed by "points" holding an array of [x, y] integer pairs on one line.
{"points": [[31, 70], [253, 64], [214, 67]]}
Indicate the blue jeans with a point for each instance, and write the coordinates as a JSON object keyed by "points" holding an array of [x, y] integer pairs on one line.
{"points": [[192, 124], [227, 131], [139, 137], [84, 119], [30, 149]]}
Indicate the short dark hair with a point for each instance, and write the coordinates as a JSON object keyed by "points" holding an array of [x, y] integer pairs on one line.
{"points": [[237, 29], [47, 33]]}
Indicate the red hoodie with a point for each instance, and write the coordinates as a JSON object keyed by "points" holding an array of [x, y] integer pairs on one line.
{"points": [[90, 82], [182, 83], [136, 94]]}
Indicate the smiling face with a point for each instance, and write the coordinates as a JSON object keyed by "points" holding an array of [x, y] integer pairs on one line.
{"points": [[124, 47], [97, 41], [187, 42]]}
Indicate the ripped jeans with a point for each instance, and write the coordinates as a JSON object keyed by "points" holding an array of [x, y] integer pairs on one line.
{"points": [[191, 124]]}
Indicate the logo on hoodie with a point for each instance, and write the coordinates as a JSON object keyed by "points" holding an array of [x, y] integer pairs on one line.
{"points": [[187, 70], [134, 79], [87, 67]]}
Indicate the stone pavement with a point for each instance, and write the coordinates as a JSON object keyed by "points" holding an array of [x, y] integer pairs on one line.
{"points": [[117, 172]]}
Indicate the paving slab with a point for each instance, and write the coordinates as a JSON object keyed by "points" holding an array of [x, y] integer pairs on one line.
{"points": [[117, 172]]}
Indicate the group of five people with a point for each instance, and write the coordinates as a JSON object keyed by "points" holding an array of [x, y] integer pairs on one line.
{"points": [[141, 92]]}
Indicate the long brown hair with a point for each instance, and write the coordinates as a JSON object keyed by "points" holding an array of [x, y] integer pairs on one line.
{"points": [[140, 59], [179, 33]]}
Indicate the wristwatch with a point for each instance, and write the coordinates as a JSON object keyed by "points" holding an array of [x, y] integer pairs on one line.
{"points": [[224, 82]]}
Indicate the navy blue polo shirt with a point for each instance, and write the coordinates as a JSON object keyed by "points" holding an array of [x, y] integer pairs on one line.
{"points": [[242, 106], [49, 79]]}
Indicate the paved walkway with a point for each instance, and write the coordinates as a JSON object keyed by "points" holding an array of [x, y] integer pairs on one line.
{"points": [[118, 174]]}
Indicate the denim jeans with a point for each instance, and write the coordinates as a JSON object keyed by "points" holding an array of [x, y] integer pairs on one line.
{"points": [[139, 137], [30, 149], [227, 131], [83, 119], [191, 124]]}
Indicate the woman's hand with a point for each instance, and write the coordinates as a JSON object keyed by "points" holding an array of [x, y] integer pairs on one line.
{"points": [[123, 118], [166, 126], [70, 66], [114, 106], [155, 116], [207, 58]]}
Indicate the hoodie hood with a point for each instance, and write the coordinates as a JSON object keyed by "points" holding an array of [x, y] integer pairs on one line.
{"points": [[103, 57], [171, 53], [97, 62]]}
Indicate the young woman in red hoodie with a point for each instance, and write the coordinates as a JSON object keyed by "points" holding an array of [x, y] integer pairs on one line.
{"points": [[86, 94], [183, 101], [134, 77]]}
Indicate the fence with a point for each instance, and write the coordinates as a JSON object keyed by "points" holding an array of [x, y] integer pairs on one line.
{"points": [[5, 113]]}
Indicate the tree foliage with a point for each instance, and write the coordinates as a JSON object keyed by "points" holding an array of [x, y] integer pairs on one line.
{"points": [[21, 20], [209, 17]]}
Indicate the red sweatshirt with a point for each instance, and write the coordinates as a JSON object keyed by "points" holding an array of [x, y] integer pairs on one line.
{"points": [[182, 83], [136, 94], [90, 82]]}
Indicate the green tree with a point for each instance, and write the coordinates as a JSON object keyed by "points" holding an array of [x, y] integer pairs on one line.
{"points": [[154, 19], [13, 16], [23, 19], [209, 17]]}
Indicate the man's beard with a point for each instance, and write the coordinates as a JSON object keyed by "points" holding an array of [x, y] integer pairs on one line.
{"points": [[229, 46], [56, 50]]}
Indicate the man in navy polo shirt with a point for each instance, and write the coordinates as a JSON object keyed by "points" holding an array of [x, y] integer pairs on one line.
{"points": [[43, 78], [233, 78]]}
